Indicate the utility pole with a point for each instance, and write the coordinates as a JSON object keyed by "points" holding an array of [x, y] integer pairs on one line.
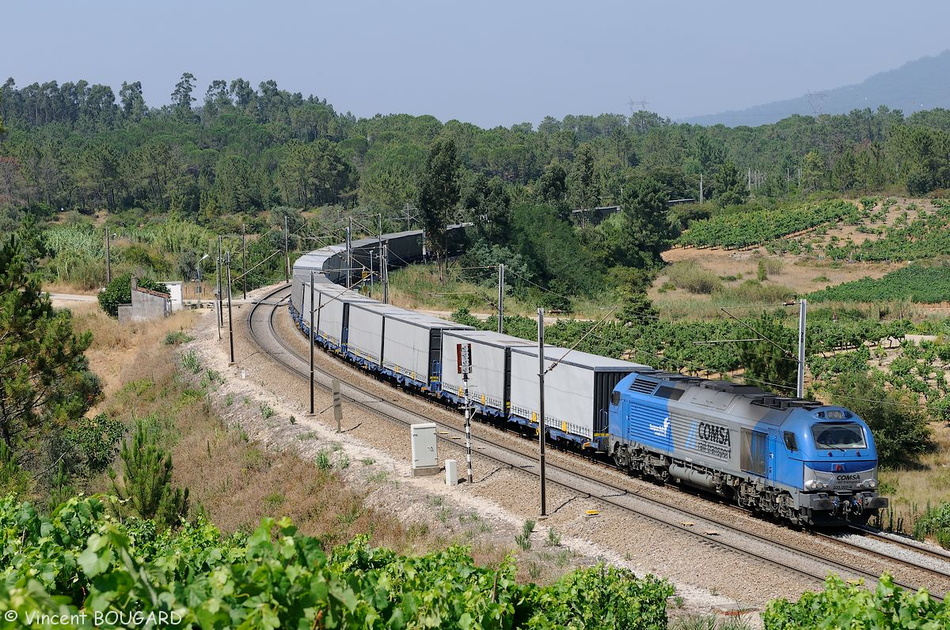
{"points": [[230, 321], [349, 251], [286, 251], [220, 314], [316, 332], [312, 340], [384, 268], [501, 299], [700, 188], [379, 248], [337, 403], [108, 256], [244, 260], [802, 316], [541, 427], [200, 288]]}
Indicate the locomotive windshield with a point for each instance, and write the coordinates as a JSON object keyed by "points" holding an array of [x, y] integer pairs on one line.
{"points": [[844, 435]]}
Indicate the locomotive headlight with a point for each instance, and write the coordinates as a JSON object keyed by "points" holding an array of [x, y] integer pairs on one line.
{"points": [[869, 483], [813, 484]]}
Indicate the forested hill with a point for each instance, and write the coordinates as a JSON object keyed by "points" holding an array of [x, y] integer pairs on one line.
{"points": [[918, 85]]}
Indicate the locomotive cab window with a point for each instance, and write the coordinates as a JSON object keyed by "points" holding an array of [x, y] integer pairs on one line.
{"points": [[614, 398], [790, 443], [842, 435]]}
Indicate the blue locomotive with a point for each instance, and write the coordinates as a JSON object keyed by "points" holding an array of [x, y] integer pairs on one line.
{"points": [[797, 460]]}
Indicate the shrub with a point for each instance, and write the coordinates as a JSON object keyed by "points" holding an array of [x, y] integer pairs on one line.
{"points": [[191, 362], [768, 267], [608, 597], [276, 577], [93, 443], [755, 291], [523, 540], [935, 522], [851, 605], [690, 276], [176, 338]]}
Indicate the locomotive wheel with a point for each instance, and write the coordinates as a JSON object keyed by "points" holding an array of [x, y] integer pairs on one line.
{"points": [[622, 458]]}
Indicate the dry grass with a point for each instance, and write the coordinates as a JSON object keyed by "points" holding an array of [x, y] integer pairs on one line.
{"points": [[236, 482], [117, 350], [912, 491]]}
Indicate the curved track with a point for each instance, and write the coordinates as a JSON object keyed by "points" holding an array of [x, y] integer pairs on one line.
{"points": [[833, 555]]}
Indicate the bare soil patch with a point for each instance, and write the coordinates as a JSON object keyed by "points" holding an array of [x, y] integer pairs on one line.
{"points": [[800, 273]]}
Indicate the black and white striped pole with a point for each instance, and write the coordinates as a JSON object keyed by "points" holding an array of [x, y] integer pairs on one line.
{"points": [[465, 366], [541, 427], [313, 340]]}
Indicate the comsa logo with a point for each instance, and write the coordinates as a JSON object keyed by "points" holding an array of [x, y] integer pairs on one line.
{"points": [[852, 477], [713, 433]]}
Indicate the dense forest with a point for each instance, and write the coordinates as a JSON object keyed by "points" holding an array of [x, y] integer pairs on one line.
{"points": [[242, 149]]}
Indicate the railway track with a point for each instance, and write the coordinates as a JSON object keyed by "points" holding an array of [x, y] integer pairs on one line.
{"points": [[810, 562]]}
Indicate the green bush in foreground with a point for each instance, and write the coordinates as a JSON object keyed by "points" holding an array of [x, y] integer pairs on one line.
{"points": [[850, 605], [82, 568]]}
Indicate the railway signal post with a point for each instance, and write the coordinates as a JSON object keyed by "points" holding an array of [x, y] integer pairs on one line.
{"points": [[541, 427], [464, 363], [313, 341]]}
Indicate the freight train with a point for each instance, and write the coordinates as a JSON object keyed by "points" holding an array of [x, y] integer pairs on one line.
{"points": [[796, 460]]}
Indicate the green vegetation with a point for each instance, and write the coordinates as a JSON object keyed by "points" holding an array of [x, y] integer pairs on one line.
{"points": [[897, 420], [849, 605], [144, 487], [925, 237], [755, 227], [80, 560], [934, 523], [925, 284], [47, 385]]}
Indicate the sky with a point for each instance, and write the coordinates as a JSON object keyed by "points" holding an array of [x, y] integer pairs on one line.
{"points": [[486, 62]]}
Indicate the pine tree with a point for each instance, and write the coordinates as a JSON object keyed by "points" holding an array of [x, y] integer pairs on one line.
{"points": [[45, 381], [145, 486]]}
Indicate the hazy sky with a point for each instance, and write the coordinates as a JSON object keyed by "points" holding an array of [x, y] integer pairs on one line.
{"points": [[488, 62]]}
